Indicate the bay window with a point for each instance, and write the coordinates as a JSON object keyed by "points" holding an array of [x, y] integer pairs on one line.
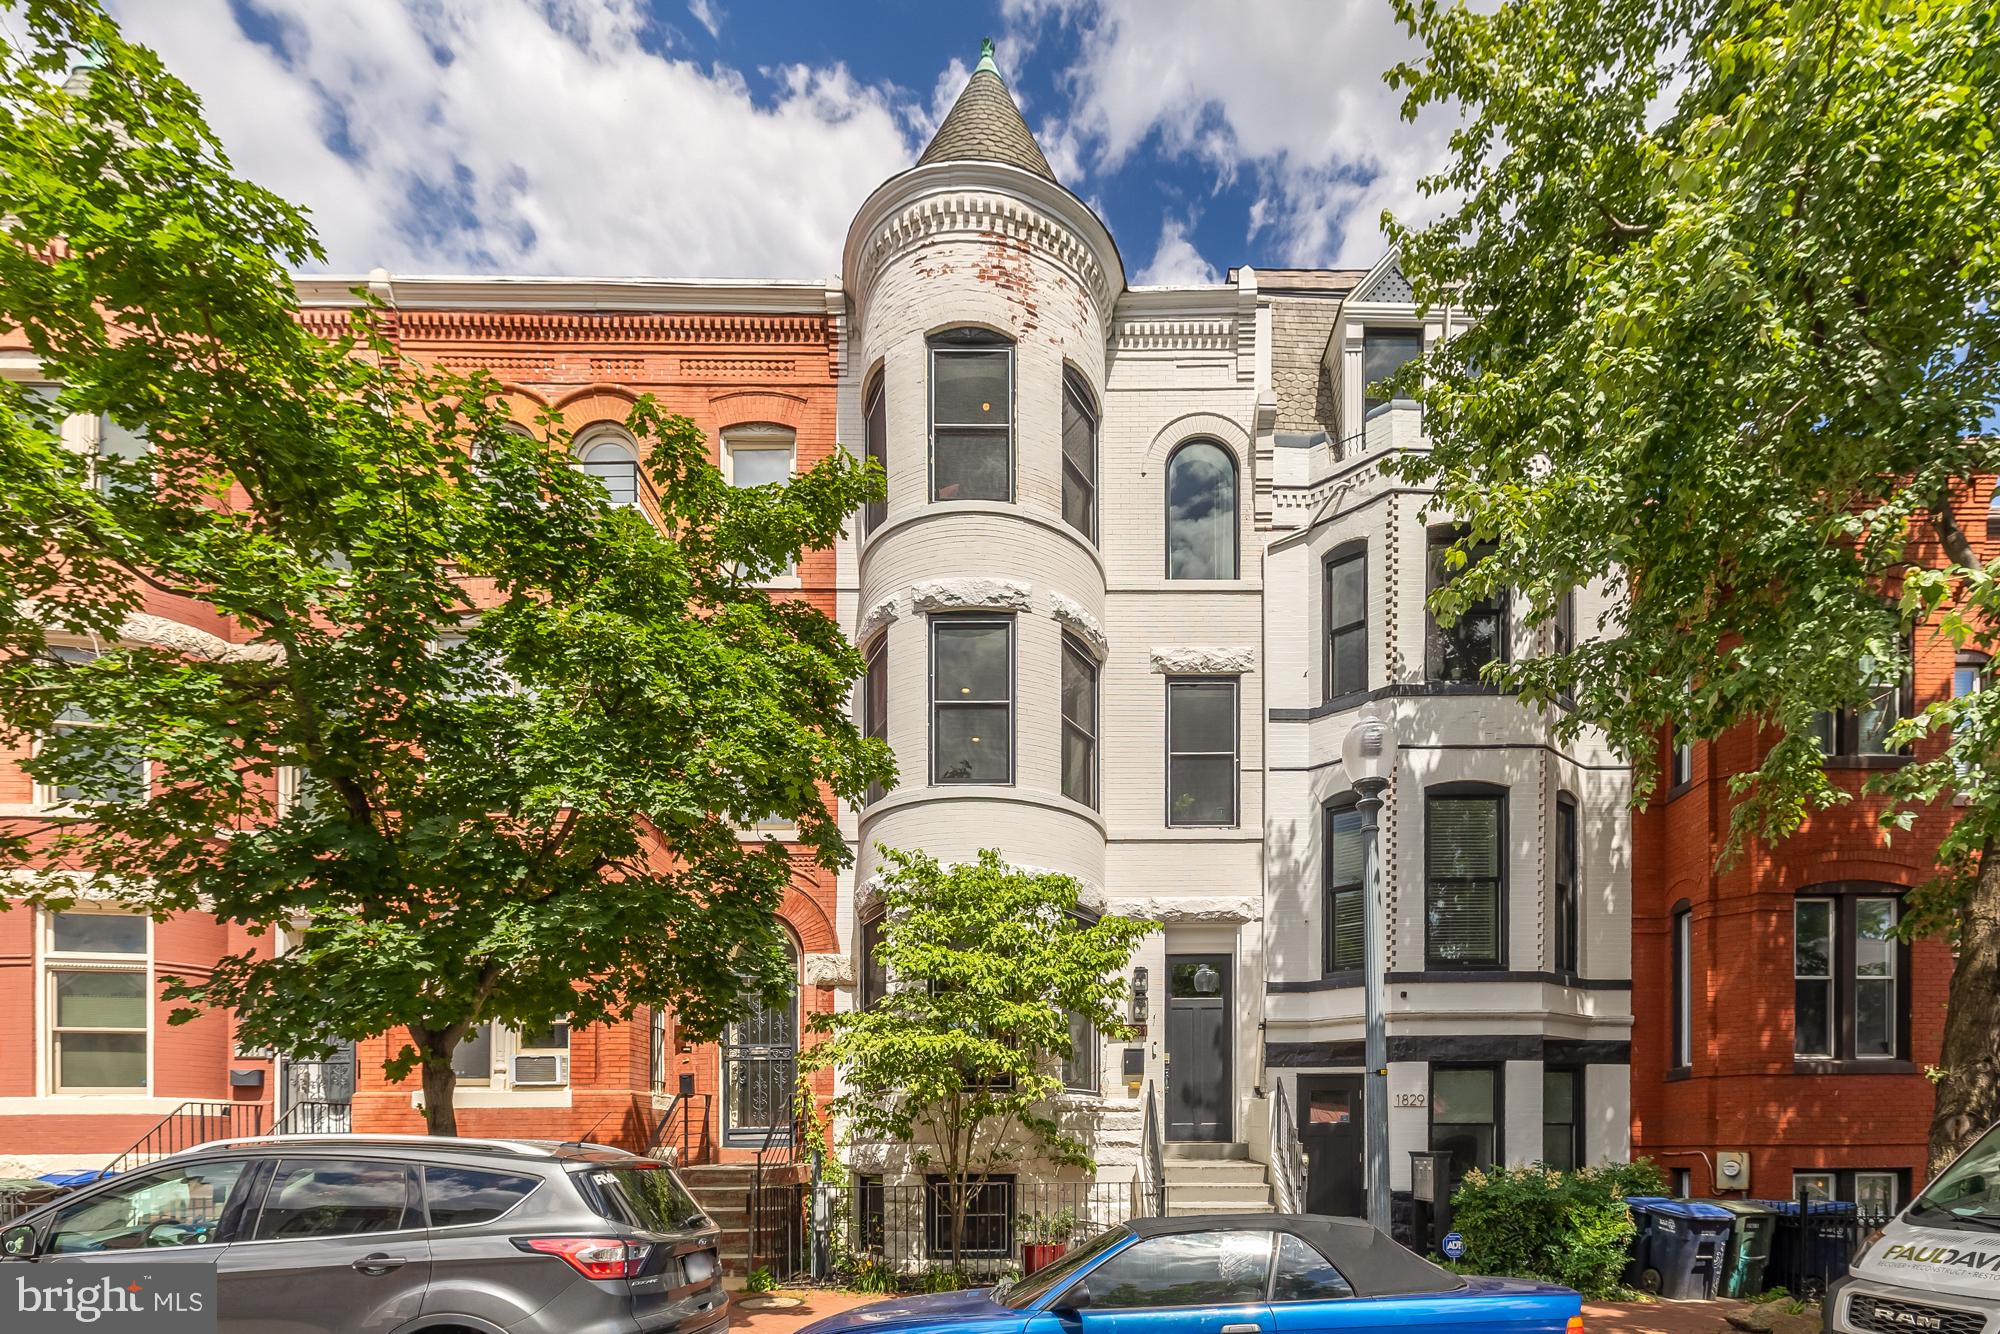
{"points": [[1079, 456], [1079, 723], [972, 416], [1849, 990], [1465, 880], [1346, 669], [972, 699], [1346, 913], [1455, 653]]}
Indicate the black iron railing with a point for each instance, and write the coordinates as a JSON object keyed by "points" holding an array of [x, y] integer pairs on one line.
{"points": [[194, 1122], [681, 1131], [1288, 1158], [1813, 1242], [904, 1229], [1152, 1152]]}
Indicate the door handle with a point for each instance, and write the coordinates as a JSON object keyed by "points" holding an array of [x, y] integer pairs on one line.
{"points": [[380, 1264], [1242, 1329]]}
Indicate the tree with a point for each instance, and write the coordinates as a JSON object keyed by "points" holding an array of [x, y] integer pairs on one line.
{"points": [[987, 965], [1733, 265], [528, 726]]}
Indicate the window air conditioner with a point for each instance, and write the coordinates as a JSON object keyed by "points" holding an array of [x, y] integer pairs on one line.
{"points": [[541, 1071]]}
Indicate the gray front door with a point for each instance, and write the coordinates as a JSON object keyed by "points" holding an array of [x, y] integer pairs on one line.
{"points": [[1331, 1132], [1198, 1074]]}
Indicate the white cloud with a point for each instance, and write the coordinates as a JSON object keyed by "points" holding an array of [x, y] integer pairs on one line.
{"points": [[707, 15], [1287, 92], [530, 136], [1175, 260]]}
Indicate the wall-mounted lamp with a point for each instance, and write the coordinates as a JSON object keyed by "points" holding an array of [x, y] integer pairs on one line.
{"points": [[1139, 1000]]}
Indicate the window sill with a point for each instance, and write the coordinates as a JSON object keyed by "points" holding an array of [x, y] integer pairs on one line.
{"points": [[1679, 1074], [1867, 761], [1824, 1066], [1679, 790]]}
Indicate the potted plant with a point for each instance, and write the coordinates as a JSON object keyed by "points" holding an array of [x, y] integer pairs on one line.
{"points": [[1044, 1237]]}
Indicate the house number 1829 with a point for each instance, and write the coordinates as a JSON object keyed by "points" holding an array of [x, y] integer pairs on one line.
{"points": [[1410, 1099]]}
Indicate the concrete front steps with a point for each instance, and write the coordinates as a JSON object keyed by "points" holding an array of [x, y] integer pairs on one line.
{"points": [[1215, 1179], [723, 1192]]}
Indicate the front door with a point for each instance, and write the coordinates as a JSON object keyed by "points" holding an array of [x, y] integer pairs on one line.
{"points": [[760, 1056], [1198, 1074], [317, 1097], [1330, 1131]]}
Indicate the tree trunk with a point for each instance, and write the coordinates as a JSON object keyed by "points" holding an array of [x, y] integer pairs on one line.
{"points": [[1968, 1094], [440, 1082]]}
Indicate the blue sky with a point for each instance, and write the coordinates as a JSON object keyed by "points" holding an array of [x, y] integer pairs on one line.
{"points": [[736, 137]]}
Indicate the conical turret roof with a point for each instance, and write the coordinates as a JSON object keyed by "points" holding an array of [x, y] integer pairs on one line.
{"points": [[985, 125]]}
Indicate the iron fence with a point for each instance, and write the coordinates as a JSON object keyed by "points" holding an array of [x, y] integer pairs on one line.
{"points": [[1813, 1242], [905, 1229]]}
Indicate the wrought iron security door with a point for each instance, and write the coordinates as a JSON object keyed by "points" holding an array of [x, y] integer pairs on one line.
{"points": [[317, 1097], [760, 1056]]}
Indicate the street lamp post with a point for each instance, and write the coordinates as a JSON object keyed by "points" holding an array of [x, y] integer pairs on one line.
{"points": [[1368, 753]]}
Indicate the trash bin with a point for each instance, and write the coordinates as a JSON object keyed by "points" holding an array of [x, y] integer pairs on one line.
{"points": [[1678, 1250], [1749, 1248], [1809, 1252]]}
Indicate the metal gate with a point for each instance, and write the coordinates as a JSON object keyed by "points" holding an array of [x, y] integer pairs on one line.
{"points": [[317, 1097]]}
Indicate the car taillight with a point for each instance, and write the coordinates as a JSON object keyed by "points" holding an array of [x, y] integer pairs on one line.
{"points": [[592, 1257], [1575, 1325]]}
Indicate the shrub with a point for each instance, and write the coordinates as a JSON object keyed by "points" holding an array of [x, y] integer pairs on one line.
{"points": [[1571, 1228]]}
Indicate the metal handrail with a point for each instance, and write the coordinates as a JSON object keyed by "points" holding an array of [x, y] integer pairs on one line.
{"points": [[1152, 1152], [776, 1152], [1288, 1159], [682, 1105], [196, 1121]]}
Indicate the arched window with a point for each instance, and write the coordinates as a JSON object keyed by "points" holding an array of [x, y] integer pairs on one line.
{"points": [[611, 459], [1079, 456], [1201, 512]]}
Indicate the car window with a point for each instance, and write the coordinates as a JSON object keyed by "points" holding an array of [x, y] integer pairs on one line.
{"points": [[1304, 1275], [335, 1198], [1181, 1269], [644, 1195], [457, 1196], [176, 1206]]}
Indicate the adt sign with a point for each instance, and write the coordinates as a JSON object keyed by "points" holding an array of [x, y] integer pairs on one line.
{"points": [[1453, 1246]]}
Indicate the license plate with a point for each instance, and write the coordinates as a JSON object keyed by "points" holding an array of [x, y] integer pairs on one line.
{"points": [[698, 1267]]}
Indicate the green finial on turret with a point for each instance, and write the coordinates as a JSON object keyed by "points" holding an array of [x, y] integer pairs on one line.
{"points": [[986, 57]]}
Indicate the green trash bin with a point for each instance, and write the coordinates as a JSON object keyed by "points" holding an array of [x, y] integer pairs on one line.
{"points": [[1749, 1248]]}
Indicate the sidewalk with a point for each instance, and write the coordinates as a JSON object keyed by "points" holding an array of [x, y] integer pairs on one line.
{"points": [[789, 1309]]}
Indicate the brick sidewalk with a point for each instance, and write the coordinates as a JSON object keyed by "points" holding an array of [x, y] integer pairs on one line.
{"points": [[1656, 1317]]}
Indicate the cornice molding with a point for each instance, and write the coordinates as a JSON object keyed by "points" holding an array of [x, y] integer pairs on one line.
{"points": [[519, 293], [987, 201], [534, 326]]}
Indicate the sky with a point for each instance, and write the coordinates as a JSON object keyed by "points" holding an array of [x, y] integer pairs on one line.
{"points": [[736, 138]]}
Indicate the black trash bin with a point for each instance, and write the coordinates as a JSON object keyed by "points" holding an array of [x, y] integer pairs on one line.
{"points": [[1810, 1250], [1679, 1248]]}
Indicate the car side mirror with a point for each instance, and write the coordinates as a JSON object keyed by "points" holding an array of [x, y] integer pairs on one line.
{"points": [[18, 1242]]}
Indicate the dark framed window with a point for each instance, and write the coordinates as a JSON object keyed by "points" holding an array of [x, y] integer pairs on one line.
{"points": [[1079, 455], [1465, 877], [1201, 751], [1456, 652], [1383, 353], [875, 701], [972, 699], [1563, 628], [1682, 946], [1346, 894], [1568, 893], [1465, 1106], [1079, 722], [1079, 1068], [989, 1219], [472, 1062], [1562, 1119], [1682, 761], [1876, 1193], [875, 418], [1346, 667], [1968, 673], [871, 1214], [874, 979], [1201, 512], [1850, 984], [1865, 730], [118, 767], [972, 416]]}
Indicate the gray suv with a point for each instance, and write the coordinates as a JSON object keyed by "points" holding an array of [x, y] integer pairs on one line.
{"points": [[382, 1234]]}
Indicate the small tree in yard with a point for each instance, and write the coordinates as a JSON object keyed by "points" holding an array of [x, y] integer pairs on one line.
{"points": [[986, 964], [1736, 272], [527, 725]]}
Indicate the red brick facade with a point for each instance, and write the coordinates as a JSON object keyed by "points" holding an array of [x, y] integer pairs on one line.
{"points": [[1743, 1090], [726, 357]]}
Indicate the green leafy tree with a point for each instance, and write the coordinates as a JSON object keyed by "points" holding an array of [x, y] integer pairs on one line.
{"points": [[987, 963], [528, 726], [1733, 264]]}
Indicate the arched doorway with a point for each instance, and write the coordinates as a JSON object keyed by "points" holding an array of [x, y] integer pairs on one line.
{"points": [[760, 1055]]}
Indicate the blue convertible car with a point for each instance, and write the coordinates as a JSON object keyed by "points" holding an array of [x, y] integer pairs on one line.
{"points": [[1229, 1274]]}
